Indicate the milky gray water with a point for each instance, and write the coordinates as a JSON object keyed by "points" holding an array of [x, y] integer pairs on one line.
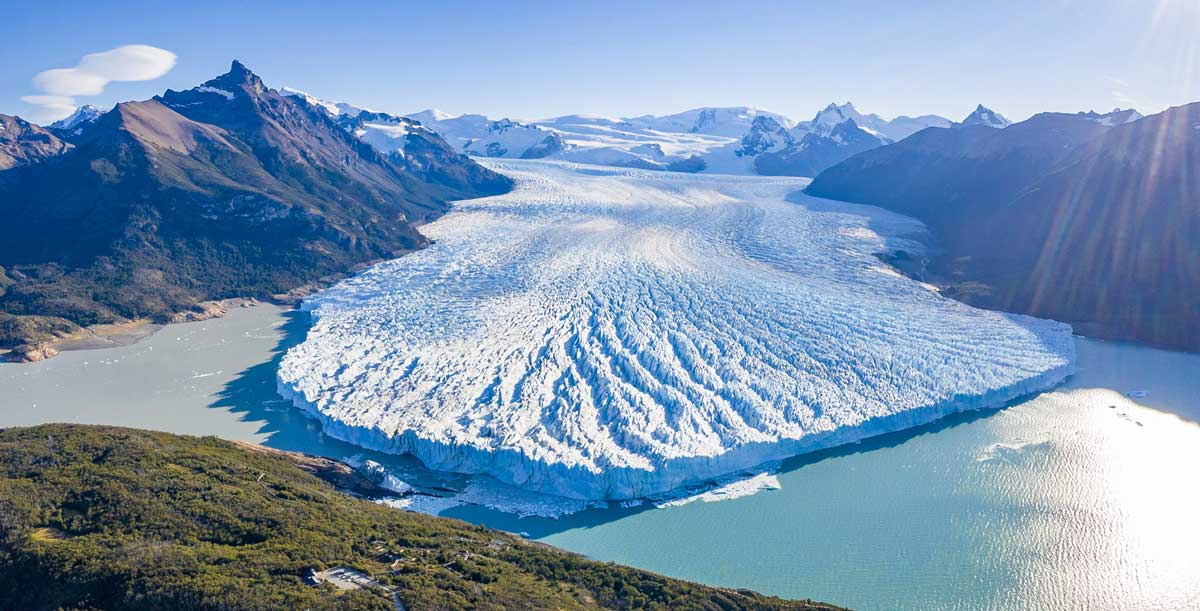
{"points": [[1084, 498]]}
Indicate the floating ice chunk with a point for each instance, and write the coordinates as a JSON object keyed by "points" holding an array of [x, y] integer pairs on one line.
{"points": [[610, 333], [422, 503], [730, 491], [489, 493], [1010, 452]]}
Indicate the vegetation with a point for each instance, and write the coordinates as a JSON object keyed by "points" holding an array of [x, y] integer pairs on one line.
{"points": [[20, 331], [161, 205], [104, 518]]}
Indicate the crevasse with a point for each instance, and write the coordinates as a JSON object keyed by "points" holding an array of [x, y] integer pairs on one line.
{"points": [[602, 333]]}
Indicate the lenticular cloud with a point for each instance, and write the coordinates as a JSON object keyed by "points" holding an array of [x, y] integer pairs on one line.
{"points": [[611, 333], [94, 72]]}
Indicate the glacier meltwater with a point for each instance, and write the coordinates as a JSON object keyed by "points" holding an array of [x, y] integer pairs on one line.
{"points": [[607, 333]]}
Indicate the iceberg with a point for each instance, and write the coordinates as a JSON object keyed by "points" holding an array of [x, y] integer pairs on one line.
{"points": [[608, 333]]}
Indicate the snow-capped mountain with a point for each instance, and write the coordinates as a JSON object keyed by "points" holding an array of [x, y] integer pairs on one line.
{"points": [[333, 108], [388, 133], [480, 136], [835, 134], [818, 148], [986, 117], [766, 134], [720, 140], [732, 122], [895, 130], [1116, 117], [83, 115], [904, 126]]}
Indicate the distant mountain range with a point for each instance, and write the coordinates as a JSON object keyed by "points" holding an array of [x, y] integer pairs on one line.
{"points": [[732, 140], [1087, 218], [226, 189]]}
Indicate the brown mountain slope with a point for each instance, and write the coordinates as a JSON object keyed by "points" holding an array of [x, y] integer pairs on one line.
{"points": [[228, 189], [22, 143]]}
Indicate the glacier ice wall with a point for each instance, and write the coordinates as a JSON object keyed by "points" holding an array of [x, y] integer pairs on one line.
{"points": [[612, 333]]}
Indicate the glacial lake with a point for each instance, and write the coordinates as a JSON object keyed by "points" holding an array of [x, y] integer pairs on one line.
{"points": [[1082, 498]]}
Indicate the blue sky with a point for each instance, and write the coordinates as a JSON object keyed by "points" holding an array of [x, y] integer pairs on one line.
{"points": [[533, 60]]}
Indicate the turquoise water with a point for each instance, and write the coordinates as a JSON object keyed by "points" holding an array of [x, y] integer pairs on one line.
{"points": [[1077, 499]]}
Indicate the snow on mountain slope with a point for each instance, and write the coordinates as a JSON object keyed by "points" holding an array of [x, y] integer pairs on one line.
{"points": [[617, 333], [894, 130], [712, 140], [651, 142], [986, 117], [481, 136], [731, 122], [333, 108], [82, 116]]}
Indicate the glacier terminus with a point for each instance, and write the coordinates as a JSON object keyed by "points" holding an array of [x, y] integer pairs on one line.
{"points": [[615, 333]]}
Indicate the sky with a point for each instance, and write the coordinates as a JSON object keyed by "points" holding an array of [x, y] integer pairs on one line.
{"points": [[530, 60]]}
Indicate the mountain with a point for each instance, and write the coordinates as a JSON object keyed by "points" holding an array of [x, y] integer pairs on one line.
{"points": [[733, 121], [1077, 217], [333, 108], [23, 143], [723, 140], [765, 134], [478, 135], [986, 117], [226, 189], [1116, 117], [834, 134], [113, 518], [895, 130], [73, 124], [815, 151], [942, 174], [903, 126], [468, 134]]}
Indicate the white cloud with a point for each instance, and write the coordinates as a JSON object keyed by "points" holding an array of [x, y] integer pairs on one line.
{"points": [[93, 73], [50, 107], [69, 82], [129, 63]]}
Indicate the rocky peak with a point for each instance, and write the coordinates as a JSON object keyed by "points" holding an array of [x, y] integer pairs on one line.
{"points": [[241, 76], [986, 117]]}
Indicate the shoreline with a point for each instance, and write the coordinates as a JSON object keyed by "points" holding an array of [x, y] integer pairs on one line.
{"points": [[125, 333]]}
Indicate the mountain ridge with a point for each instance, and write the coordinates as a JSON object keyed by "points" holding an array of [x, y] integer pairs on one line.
{"points": [[1086, 218], [227, 189]]}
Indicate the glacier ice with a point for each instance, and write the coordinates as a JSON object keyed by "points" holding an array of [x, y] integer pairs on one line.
{"points": [[607, 333]]}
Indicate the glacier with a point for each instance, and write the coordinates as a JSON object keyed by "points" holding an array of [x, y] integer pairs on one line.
{"points": [[610, 333]]}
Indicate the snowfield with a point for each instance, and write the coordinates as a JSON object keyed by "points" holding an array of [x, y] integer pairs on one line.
{"points": [[607, 333]]}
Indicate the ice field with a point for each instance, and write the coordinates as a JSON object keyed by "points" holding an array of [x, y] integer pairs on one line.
{"points": [[606, 333]]}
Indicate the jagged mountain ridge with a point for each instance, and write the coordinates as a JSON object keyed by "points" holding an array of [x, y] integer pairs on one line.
{"points": [[226, 189], [709, 139]]}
